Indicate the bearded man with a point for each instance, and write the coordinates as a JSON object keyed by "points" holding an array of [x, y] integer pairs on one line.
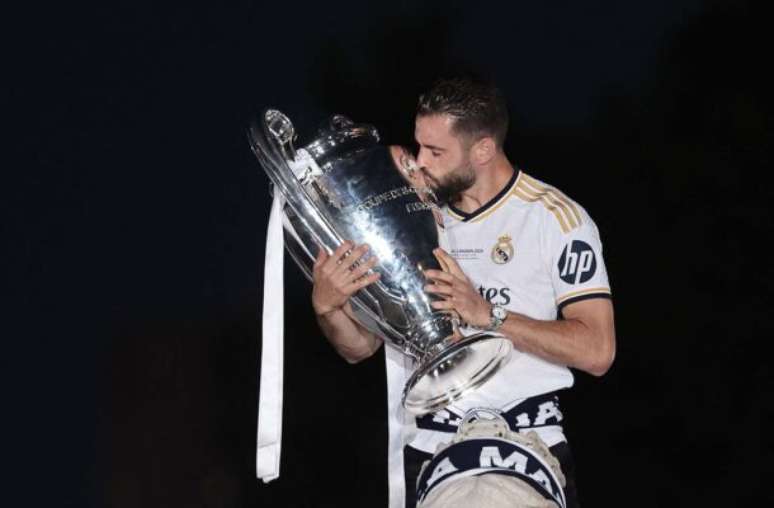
{"points": [[520, 258]]}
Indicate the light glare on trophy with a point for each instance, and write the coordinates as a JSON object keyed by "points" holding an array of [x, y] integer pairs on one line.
{"points": [[345, 185]]}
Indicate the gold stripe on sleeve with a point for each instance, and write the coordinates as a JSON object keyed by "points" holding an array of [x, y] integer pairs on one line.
{"points": [[550, 200], [534, 191], [567, 200], [523, 194], [601, 290], [556, 198], [565, 220]]}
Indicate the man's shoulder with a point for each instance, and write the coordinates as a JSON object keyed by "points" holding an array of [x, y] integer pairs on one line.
{"points": [[561, 211]]}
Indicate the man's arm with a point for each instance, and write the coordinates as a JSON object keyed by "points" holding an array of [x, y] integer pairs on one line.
{"points": [[336, 278], [585, 339]]}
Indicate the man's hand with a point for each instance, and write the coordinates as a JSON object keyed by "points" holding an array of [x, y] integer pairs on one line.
{"points": [[339, 276], [458, 292]]}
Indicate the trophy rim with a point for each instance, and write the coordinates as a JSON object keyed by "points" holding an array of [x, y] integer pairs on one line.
{"points": [[490, 368]]}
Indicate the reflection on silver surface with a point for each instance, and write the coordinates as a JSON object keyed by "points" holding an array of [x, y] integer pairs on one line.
{"points": [[344, 185]]}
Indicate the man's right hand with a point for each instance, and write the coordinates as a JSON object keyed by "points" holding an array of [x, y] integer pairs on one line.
{"points": [[340, 275]]}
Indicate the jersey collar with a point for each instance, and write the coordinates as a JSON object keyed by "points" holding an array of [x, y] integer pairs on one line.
{"points": [[492, 203]]}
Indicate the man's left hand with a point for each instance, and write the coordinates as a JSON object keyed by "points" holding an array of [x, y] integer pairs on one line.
{"points": [[457, 291]]}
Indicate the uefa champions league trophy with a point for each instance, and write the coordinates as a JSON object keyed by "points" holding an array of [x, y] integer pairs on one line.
{"points": [[344, 185]]}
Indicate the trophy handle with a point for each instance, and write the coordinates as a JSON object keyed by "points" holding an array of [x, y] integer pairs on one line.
{"points": [[271, 142]]}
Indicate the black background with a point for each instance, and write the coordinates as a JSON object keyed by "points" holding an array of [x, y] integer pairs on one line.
{"points": [[134, 221]]}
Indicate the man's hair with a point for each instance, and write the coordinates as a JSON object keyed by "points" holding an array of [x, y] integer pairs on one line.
{"points": [[477, 107]]}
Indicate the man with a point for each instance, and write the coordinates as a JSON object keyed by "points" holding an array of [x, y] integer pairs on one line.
{"points": [[519, 257]]}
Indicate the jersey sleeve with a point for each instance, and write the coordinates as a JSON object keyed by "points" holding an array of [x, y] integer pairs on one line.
{"points": [[576, 264]]}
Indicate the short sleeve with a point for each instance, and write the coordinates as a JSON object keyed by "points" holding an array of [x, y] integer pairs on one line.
{"points": [[577, 267]]}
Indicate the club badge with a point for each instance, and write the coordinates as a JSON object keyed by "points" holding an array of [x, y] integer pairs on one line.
{"points": [[503, 251]]}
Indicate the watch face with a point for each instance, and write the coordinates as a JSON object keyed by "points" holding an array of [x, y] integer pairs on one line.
{"points": [[499, 312]]}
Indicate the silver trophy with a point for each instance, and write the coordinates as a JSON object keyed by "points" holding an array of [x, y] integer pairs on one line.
{"points": [[344, 185]]}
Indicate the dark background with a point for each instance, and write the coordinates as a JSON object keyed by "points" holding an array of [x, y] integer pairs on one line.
{"points": [[134, 221]]}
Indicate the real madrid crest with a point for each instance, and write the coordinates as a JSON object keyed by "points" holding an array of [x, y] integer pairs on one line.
{"points": [[503, 250]]}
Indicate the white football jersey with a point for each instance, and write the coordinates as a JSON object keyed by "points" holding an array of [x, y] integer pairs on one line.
{"points": [[532, 250]]}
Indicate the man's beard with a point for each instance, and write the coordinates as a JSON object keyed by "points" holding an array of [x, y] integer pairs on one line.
{"points": [[449, 190]]}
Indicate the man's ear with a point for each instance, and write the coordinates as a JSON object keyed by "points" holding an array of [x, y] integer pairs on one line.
{"points": [[407, 165], [483, 150]]}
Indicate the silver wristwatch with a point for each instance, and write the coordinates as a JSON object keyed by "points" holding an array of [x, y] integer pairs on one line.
{"points": [[497, 316]]}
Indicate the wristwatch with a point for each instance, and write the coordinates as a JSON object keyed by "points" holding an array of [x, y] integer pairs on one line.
{"points": [[497, 316]]}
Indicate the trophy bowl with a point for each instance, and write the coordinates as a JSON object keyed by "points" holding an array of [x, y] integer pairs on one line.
{"points": [[345, 185]]}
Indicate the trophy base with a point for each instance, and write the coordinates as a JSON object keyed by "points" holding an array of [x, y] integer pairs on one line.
{"points": [[455, 372]]}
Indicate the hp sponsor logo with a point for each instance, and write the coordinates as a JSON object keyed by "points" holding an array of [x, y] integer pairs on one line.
{"points": [[577, 264]]}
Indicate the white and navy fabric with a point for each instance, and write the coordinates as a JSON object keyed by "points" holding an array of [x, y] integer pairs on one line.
{"points": [[541, 414], [533, 413], [481, 456]]}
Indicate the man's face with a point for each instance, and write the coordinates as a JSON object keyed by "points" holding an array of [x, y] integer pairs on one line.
{"points": [[444, 157]]}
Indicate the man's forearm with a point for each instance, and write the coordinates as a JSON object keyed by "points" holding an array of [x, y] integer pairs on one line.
{"points": [[351, 340], [588, 345]]}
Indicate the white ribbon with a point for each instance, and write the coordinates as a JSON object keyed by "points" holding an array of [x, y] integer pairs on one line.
{"points": [[400, 429], [267, 461]]}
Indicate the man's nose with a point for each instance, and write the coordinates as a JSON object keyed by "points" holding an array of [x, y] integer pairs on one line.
{"points": [[422, 159]]}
